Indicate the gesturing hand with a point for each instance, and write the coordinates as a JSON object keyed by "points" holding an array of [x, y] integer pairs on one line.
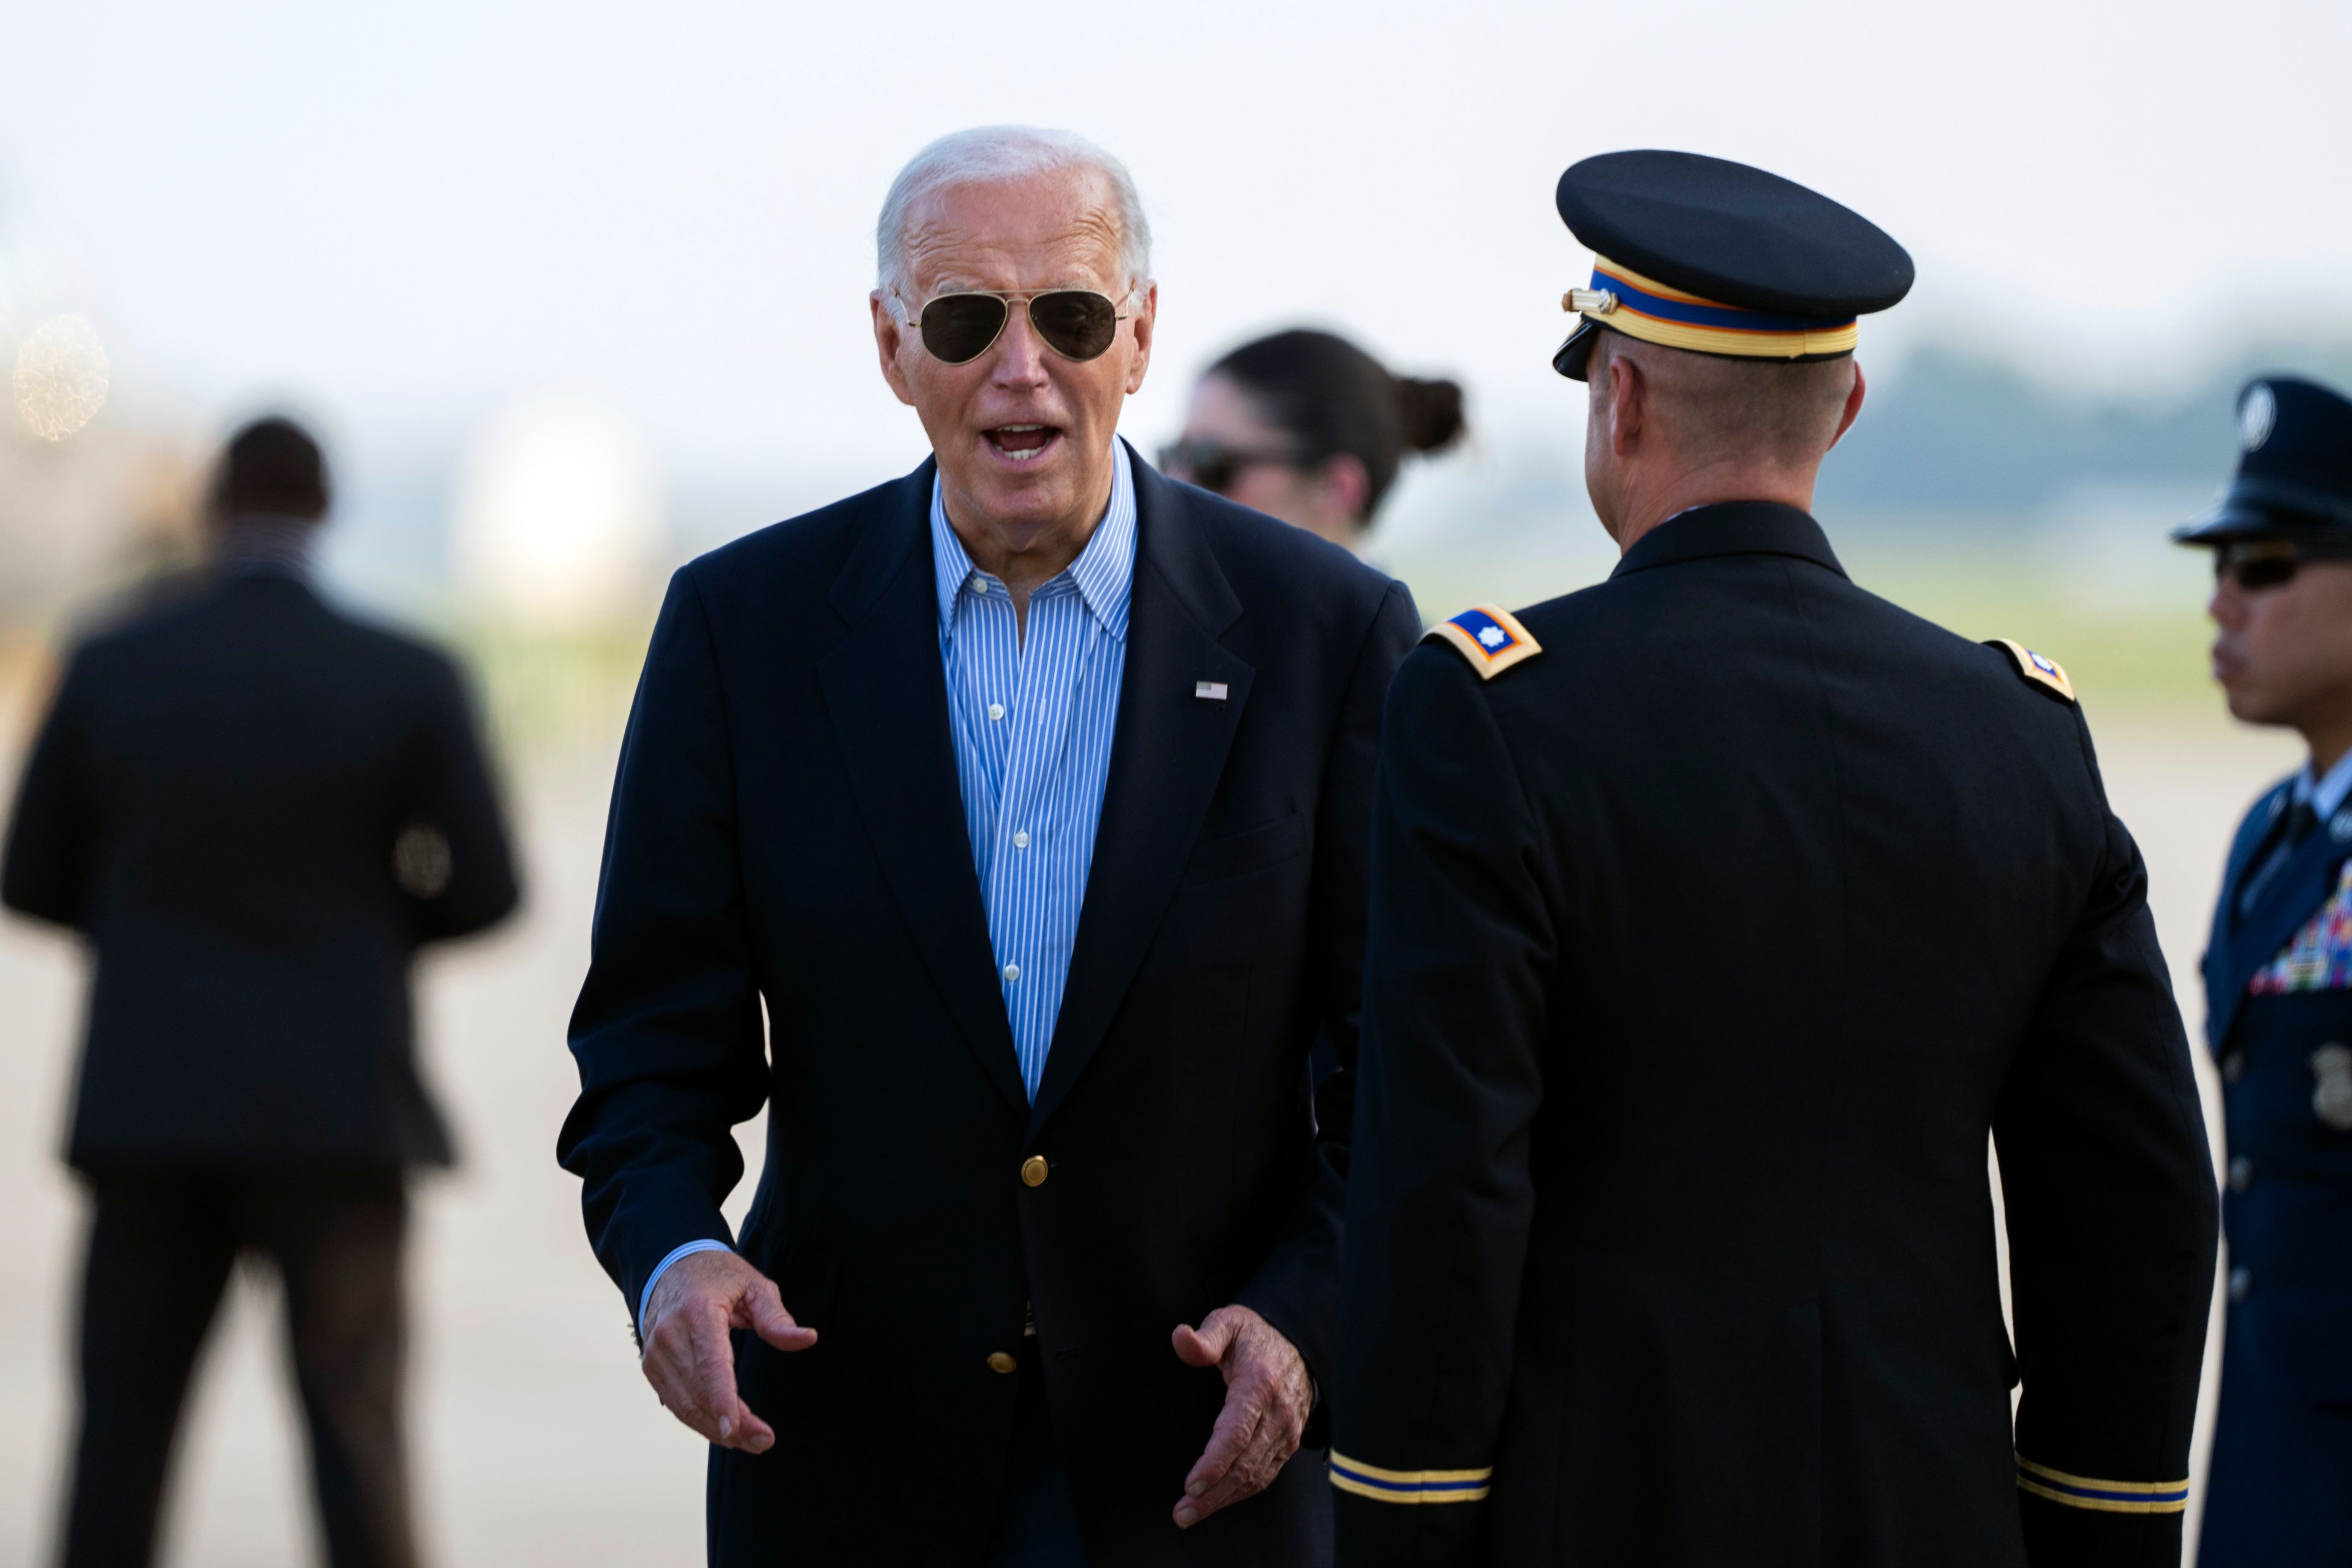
{"points": [[1268, 1397], [688, 1358]]}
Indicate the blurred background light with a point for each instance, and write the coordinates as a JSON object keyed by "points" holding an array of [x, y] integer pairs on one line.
{"points": [[61, 377], [558, 514]]}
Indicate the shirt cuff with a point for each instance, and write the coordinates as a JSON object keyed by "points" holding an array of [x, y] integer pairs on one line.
{"points": [[645, 1297]]}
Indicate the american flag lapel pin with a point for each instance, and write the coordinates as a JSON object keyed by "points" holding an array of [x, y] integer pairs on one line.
{"points": [[1209, 690]]}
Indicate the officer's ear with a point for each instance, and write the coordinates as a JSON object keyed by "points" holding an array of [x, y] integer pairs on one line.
{"points": [[1629, 403], [1852, 410]]}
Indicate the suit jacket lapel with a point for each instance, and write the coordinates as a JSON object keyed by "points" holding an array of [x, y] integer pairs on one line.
{"points": [[1167, 755], [886, 692]]}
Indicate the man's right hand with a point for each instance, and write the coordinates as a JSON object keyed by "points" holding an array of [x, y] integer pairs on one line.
{"points": [[688, 1358]]}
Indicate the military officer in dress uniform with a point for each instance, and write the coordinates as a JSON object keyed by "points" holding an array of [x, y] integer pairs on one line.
{"points": [[1719, 913], [2278, 990]]}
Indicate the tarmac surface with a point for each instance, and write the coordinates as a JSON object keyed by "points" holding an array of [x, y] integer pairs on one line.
{"points": [[535, 1440]]}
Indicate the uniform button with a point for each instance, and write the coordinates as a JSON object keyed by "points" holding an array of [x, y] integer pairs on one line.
{"points": [[2241, 1284], [1033, 1171], [996, 710], [1021, 839], [999, 1362], [2233, 1067], [1011, 971], [2242, 1173]]}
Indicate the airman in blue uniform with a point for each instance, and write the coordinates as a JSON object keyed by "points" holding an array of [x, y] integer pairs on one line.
{"points": [[2278, 988]]}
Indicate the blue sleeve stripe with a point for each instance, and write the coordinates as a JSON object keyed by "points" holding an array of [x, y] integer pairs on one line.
{"points": [[1409, 1486]]}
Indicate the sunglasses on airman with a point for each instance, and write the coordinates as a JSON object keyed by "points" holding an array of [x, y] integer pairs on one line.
{"points": [[2254, 564], [1076, 323]]}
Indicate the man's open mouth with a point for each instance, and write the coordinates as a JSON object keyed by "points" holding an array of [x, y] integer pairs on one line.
{"points": [[1022, 443]]}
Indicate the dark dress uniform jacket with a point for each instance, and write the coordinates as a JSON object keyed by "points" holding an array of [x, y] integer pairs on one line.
{"points": [[787, 830], [2281, 1483], [1707, 947], [214, 801]]}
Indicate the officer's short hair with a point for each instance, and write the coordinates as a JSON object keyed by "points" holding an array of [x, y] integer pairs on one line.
{"points": [[1717, 408], [271, 467]]}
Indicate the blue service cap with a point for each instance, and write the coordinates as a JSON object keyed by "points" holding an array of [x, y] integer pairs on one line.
{"points": [[1718, 258], [2295, 467]]}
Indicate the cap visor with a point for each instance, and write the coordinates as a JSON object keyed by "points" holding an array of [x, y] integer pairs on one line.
{"points": [[1577, 351], [2269, 508]]}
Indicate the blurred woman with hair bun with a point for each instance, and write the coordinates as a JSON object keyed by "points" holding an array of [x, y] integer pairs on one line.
{"points": [[1306, 426]]}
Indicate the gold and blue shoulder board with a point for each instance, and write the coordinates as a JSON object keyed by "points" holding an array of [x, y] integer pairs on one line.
{"points": [[2040, 671], [1489, 636]]}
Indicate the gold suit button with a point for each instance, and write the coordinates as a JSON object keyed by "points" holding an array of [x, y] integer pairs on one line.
{"points": [[999, 1362], [1033, 1171]]}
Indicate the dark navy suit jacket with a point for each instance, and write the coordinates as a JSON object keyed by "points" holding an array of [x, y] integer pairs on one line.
{"points": [[216, 800], [2280, 1489], [787, 838]]}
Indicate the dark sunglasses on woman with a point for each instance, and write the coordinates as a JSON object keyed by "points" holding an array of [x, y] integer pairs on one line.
{"points": [[2255, 564], [1214, 466], [1076, 323]]}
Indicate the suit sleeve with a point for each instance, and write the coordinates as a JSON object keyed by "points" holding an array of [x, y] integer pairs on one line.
{"points": [[2112, 1218], [667, 1033], [473, 888], [1458, 959], [53, 830], [1298, 1287]]}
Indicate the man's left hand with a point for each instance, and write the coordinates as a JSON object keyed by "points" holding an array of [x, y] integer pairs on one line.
{"points": [[1267, 1398]]}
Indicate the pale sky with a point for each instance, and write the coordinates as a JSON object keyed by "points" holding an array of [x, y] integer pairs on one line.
{"points": [[409, 214]]}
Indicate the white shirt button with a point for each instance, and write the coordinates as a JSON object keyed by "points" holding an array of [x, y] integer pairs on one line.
{"points": [[979, 583], [996, 710], [1011, 971], [1021, 839]]}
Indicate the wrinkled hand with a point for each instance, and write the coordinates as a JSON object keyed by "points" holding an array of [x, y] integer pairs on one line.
{"points": [[688, 1358], [1267, 1398]]}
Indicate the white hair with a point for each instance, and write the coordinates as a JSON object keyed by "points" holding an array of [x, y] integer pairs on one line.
{"points": [[988, 154]]}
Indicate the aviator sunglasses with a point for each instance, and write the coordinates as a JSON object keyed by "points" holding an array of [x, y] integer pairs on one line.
{"points": [[1076, 323], [2254, 564]]}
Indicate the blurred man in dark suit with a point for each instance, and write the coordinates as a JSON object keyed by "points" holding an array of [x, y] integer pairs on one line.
{"points": [[256, 809]]}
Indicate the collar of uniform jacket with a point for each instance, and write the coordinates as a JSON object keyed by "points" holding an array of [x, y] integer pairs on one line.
{"points": [[2326, 793], [1103, 571], [1731, 528]]}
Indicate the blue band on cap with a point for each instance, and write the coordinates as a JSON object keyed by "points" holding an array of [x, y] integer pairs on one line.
{"points": [[1632, 296]]}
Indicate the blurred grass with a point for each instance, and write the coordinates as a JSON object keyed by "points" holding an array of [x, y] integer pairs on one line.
{"points": [[558, 695], [2123, 613], [2122, 609]]}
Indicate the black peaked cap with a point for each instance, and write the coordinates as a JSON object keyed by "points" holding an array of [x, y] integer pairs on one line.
{"points": [[2295, 467], [1733, 234]]}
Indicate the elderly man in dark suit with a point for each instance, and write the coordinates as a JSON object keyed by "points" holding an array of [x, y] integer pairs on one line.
{"points": [[1001, 829], [255, 809]]}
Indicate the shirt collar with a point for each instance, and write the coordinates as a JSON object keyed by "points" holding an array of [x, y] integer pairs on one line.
{"points": [[261, 542], [1104, 571], [2326, 794]]}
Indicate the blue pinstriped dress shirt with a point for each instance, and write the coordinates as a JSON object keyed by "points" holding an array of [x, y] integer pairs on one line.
{"points": [[1033, 717]]}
